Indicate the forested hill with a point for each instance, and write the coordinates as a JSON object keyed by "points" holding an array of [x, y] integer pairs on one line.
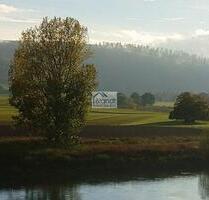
{"points": [[144, 69], [7, 50], [137, 68]]}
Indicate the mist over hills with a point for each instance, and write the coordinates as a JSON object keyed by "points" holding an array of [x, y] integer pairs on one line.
{"points": [[7, 49], [136, 68], [141, 68]]}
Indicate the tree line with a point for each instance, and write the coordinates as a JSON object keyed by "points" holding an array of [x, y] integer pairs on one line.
{"points": [[165, 54], [135, 100]]}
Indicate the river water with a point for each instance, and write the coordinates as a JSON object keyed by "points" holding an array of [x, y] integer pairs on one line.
{"points": [[184, 186]]}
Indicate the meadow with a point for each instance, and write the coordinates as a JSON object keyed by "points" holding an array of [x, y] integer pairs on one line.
{"points": [[156, 141], [6, 111], [98, 116], [117, 117]]}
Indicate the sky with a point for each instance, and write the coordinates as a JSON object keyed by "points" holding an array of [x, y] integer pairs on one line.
{"points": [[175, 24]]}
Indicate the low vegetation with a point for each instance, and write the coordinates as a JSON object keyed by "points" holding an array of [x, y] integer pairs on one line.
{"points": [[22, 155], [190, 107]]}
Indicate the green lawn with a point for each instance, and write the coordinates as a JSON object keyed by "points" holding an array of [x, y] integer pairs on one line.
{"points": [[6, 111], [124, 117], [99, 116], [113, 117], [165, 103]]}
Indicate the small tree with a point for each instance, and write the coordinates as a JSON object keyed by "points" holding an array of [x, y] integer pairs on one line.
{"points": [[49, 84], [147, 99], [190, 107], [135, 98], [123, 101]]}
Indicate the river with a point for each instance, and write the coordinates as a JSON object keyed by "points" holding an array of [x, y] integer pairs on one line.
{"points": [[183, 186]]}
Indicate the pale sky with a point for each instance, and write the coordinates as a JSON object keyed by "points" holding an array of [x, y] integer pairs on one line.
{"points": [[177, 24]]}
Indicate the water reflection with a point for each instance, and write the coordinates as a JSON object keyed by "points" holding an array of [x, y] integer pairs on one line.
{"points": [[44, 193], [178, 187], [204, 185], [54, 193]]}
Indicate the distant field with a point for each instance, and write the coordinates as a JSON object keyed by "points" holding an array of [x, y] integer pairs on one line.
{"points": [[134, 117], [164, 103], [114, 116], [124, 117], [6, 111], [99, 116]]}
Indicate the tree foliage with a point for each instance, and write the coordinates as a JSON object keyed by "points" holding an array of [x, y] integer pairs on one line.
{"points": [[123, 101], [49, 84], [147, 99], [190, 107], [135, 98]]}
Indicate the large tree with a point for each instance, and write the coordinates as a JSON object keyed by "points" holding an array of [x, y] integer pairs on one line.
{"points": [[50, 84], [190, 107]]}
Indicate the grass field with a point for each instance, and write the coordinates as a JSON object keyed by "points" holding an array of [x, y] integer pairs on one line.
{"points": [[114, 116], [6, 111], [99, 116], [124, 117], [164, 103]]}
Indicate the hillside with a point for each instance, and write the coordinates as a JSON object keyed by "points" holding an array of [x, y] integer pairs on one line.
{"points": [[136, 68], [6, 52]]}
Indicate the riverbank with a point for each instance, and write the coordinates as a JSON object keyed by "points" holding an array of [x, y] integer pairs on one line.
{"points": [[26, 155], [113, 140]]}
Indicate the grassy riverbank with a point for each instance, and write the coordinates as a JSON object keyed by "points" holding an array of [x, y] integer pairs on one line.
{"points": [[24, 155], [115, 139]]}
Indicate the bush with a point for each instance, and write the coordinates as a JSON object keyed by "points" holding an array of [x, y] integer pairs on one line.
{"points": [[190, 107]]}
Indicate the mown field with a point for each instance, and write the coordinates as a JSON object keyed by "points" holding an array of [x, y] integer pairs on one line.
{"points": [[116, 117], [124, 117], [99, 116], [164, 103], [6, 111]]}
